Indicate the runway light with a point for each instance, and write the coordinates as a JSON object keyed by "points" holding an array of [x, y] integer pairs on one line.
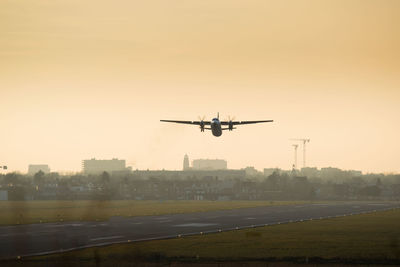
{"points": [[19, 257], [219, 230], [179, 236], [201, 233], [237, 228]]}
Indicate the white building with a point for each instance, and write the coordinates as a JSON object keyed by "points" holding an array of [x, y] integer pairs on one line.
{"points": [[186, 163], [95, 166], [35, 168], [209, 164]]}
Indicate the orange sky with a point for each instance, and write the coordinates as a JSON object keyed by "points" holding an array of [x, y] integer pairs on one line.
{"points": [[83, 79]]}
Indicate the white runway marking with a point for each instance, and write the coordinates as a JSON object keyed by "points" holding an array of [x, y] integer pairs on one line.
{"points": [[194, 224], [63, 225], [106, 237]]}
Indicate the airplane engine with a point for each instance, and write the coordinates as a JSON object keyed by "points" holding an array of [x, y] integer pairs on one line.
{"points": [[230, 126], [230, 123], [202, 126]]}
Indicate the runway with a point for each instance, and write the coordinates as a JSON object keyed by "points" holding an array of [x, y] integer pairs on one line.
{"points": [[38, 239]]}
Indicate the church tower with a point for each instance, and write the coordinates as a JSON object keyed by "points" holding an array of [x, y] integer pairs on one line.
{"points": [[186, 163]]}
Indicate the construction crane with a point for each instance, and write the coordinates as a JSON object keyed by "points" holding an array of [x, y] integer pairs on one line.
{"points": [[295, 156], [304, 148]]}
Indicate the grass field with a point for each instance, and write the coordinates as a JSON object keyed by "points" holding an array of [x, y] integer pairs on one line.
{"points": [[364, 238], [25, 212]]}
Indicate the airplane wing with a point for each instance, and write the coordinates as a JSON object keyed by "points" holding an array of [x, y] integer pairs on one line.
{"points": [[244, 122], [188, 122]]}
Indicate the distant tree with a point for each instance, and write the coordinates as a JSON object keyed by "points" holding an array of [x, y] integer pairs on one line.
{"points": [[63, 189], [106, 191], [372, 191], [38, 178], [273, 180], [11, 178], [105, 178], [284, 180]]}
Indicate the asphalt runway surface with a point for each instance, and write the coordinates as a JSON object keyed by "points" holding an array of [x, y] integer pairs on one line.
{"points": [[45, 238]]}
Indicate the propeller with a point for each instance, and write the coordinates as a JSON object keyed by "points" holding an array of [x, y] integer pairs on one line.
{"points": [[231, 118], [201, 119]]}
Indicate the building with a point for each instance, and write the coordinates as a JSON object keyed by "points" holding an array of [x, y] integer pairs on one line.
{"points": [[95, 166], [310, 172], [269, 171], [191, 173], [35, 168], [355, 173], [251, 171], [186, 163], [209, 164]]}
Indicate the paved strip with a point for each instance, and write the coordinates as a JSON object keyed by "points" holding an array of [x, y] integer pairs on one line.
{"points": [[45, 238], [106, 238]]}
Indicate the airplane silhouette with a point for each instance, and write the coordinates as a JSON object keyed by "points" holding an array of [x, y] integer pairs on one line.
{"points": [[216, 125]]}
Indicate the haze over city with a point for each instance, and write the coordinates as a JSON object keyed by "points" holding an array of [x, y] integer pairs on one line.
{"points": [[93, 79]]}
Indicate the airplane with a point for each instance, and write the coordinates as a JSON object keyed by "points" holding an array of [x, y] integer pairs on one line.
{"points": [[216, 125]]}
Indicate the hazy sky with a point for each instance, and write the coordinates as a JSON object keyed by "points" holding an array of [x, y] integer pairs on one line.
{"points": [[83, 79]]}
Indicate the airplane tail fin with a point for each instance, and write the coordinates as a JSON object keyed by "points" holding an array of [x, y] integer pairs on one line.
{"points": [[218, 115]]}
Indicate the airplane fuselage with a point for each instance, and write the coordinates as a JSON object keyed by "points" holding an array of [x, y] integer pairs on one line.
{"points": [[216, 127]]}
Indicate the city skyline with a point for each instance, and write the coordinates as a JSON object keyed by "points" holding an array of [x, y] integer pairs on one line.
{"points": [[197, 164], [83, 79]]}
